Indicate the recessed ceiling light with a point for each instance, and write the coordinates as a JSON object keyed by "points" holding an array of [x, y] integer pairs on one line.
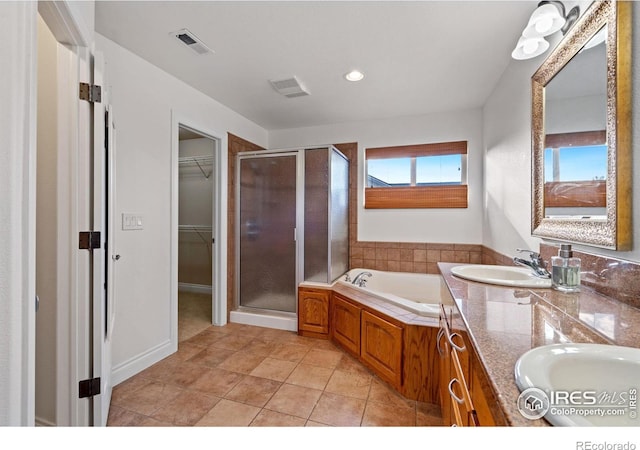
{"points": [[354, 75]]}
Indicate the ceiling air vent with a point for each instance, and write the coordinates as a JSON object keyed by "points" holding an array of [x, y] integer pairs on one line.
{"points": [[289, 87], [191, 41]]}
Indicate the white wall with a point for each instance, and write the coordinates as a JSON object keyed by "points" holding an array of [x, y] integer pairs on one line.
{"points": [[507, 141], [144, 98], [462, 226]]}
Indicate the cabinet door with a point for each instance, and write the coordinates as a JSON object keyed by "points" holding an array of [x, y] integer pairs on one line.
{"points": [[313, 311], [345, 324], [382, 347]]}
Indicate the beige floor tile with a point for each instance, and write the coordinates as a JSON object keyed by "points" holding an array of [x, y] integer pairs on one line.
{"points": [[274, 369], [186, 409], [185, 351], [428, 415], [267, 418], [254, 391], [338, 410], [261, 346], [350, 384], [350, 364], [242, 362], [186, 374], [289, 352], [381, 393], [128, 388], [233, 342], [310, 376], [205, 339], [216, 382], [227, 413], [322, 358], [380, 414], [211, 356], [120, 417], [325, 344], [311, 423], [149, 397], [294, 400]]}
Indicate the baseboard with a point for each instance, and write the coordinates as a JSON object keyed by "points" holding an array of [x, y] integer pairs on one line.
{"points": [[279, 322], [138, 363], [40, 422], [195, 288]]}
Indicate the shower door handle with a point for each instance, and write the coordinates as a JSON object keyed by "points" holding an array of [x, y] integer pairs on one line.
{"points": [[295, 235]]}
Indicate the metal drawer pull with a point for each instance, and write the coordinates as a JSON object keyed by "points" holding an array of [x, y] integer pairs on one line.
{"points": [[438, 338], [457, 347], [453, 395]]}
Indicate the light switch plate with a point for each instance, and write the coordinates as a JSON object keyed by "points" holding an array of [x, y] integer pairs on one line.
{"points": [[131, 221]]}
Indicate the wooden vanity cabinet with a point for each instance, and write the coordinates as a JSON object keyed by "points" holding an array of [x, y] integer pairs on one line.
{"points": [[466, 397], [313, 312]]}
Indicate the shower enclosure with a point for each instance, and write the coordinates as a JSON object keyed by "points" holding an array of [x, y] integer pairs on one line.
{"points": [[292, 225]]}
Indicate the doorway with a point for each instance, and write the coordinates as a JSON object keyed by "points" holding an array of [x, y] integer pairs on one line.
{"points": [[196, 193], [198, 229]]}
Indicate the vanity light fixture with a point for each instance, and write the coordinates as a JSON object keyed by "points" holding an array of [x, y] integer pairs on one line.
{"points": [[354, 75], [548, 18]]}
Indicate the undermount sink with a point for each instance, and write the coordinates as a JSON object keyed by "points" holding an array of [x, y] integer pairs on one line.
{"points": [[501, 275], [582, 384]]}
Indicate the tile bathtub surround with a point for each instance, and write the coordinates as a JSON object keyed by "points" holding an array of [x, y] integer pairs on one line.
{"points": [[241, 375], [615, 278], [411, 257]]}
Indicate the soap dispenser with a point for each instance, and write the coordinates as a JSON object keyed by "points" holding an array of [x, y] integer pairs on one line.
{"points": [[565, 270]]}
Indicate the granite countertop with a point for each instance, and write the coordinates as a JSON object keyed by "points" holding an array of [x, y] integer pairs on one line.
{"points": [[505, 322]]}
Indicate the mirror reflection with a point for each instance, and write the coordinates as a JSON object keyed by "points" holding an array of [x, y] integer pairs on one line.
{"points": [[575, 141]]}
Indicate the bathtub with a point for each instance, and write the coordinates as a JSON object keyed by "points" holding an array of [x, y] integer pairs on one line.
{"points": [[419, 293]]}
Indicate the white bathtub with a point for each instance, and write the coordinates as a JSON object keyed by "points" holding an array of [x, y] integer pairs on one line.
{"points": [[418, 293]]}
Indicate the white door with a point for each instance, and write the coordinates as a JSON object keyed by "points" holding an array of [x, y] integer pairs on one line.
{"points": [[103, 314]]}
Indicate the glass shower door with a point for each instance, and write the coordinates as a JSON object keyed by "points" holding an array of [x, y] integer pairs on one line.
{"points": [[267, 222]]}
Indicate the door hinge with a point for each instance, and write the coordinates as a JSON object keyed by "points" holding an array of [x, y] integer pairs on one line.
{"points": [[89, 240], [90, 93], [89, 388]]}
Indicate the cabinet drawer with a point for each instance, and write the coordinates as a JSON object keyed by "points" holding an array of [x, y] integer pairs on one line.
{"points": [[345, 324], [382, 347]]}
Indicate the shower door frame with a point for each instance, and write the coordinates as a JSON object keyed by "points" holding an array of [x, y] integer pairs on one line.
{"points": [[298, 231]]}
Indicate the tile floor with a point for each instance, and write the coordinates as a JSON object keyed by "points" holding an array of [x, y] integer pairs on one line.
{"points": [[241, 375]]}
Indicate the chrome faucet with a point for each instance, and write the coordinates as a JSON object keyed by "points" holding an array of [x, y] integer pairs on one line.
{"points": [[359, 280], [534, 262]]}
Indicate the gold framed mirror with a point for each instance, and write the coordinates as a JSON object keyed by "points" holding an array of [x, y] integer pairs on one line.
{"points": [[581, 132]]}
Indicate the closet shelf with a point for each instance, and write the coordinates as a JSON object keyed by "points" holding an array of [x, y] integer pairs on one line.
{"points": [[199, 161], [195, 228]]}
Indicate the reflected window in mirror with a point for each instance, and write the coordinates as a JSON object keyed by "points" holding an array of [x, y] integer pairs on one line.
{"points": [[575, 156]]}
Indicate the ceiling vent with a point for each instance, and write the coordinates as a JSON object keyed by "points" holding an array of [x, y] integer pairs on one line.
{"points": [[191, 41], [289, 87]]}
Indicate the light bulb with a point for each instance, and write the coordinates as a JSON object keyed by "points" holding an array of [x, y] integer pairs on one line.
{"points": [[544, 24], [530, 46]]}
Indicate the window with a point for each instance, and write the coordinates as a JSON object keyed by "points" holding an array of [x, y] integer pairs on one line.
{"points": [[575, 169], [417, 176]]}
